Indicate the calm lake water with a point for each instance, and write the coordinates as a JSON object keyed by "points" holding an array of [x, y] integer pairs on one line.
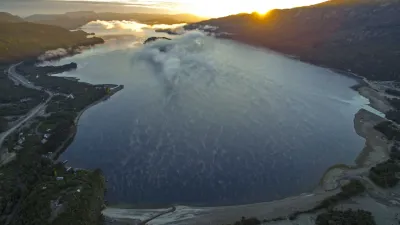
{"points": [[211, 122]]}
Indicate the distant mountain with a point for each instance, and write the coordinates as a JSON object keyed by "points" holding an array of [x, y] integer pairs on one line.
{"points": [[22, 40], [74, 20], [7, 17], [362, 36]]}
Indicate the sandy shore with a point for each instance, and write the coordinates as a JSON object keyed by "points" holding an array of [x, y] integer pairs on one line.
{"points": [[377, 99], [375, 151], [224, 215]]}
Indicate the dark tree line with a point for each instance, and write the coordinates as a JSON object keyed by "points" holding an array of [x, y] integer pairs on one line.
{"points": [[348, 217], [388, 129], [384, 174]]}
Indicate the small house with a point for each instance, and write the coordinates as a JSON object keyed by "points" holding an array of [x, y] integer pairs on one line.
{"points": [[17, 147], [24, 100], [21, 140]]}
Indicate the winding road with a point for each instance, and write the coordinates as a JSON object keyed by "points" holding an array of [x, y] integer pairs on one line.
{"points": [[17, 78]]}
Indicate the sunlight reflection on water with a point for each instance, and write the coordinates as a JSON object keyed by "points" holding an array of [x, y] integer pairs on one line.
{"points": [[212, 121]]}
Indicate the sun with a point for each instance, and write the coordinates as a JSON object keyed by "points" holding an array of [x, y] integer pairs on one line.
{"points": [[219, 8], [215, 8]]}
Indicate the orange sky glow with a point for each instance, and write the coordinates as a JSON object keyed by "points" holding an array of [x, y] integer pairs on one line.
{"points": [[213, 8], [217, 8]]}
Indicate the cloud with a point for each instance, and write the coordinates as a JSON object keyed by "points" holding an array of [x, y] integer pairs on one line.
{"points": [[116, 27], [177, 57], [51, 54]]}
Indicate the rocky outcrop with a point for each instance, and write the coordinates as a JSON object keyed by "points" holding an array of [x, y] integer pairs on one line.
{"points": [[168, 31], [151, 39]]}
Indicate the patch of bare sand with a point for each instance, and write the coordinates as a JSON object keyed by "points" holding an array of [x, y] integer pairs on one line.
{"points": [[376, 150], [377, 147], [267, 210], [377, 99], [225, 214]]}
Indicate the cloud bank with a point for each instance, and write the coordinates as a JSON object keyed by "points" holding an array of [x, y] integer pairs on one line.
{"points": [[52, 54], [176, 60], [124, 27]]}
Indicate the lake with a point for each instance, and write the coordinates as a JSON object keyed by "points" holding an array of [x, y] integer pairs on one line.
{"points": [[210, 121]]}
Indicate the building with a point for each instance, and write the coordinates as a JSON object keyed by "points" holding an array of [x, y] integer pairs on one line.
{"points": [[25, 100], [17, 147], [21, 140]]}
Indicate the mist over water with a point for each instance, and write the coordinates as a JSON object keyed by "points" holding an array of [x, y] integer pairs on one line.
{"points": [[125, 27], [209, 121]]}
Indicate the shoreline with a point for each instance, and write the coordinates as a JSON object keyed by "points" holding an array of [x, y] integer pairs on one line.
{"points": [[73, 133], [329, 185], [330, 182]]}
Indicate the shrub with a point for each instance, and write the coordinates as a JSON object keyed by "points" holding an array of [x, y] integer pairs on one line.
{"points": [[249, 221], [348, 217], [384, 174], [388, 129], [349, 190], [392, 92]]}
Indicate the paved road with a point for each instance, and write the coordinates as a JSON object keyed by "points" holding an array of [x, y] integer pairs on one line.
{"points": [[21, 80], [12, 74]]}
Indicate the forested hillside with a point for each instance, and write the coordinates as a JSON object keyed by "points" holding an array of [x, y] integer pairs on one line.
{"points": [[74, 20], [361, 36], [20, 40], [9, 18]]}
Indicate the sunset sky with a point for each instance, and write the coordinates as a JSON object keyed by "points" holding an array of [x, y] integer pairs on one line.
{"points": [[208, 8], [215, 8]]}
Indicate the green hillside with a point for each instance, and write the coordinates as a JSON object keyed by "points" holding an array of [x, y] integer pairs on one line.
{"points": [[22, 39], [7, 17]]}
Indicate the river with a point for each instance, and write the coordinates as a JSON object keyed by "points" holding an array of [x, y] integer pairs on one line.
{"points": [[211, 122]]}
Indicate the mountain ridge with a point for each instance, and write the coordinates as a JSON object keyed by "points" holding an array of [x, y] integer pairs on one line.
{"points": [[357, 36], [9, 18], [74, 20], [22, 40]]}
